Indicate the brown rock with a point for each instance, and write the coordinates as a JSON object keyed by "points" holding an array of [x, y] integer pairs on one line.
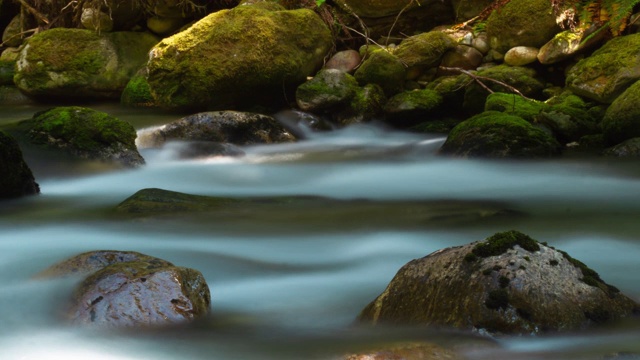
{"points": [[346, 61]]}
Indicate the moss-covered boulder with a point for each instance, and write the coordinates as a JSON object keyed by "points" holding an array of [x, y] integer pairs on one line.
{"points": [[513, 104], [84, 133], [125, 289], [424, 50], [412, 107], [494, 134], [384, 69], [234, 58], [495, 285], [521, 23], [16, 178], [137, 92], [328, 90], [622, 119], [234, 127], [7, 71], [525, 80], [366, 105], [609, 71], [80, 64]]}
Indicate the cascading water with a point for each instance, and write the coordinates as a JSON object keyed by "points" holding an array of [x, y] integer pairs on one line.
{"points": [[288, 283]]}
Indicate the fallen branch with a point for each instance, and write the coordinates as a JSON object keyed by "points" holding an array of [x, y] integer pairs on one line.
{"points": [[34, 12], [479, 80]]}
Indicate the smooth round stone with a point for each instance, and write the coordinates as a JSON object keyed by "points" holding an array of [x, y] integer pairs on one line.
{"points": [[346, 61], [521, 55]]}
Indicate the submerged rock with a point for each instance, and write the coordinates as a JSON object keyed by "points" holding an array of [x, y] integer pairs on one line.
{"points": [[126, 288], [85, 133], [234, 127], [508, 283], [16, 179]]}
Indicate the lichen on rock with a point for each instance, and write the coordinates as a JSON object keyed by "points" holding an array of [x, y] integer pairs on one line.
{"points": [[495, 285]]}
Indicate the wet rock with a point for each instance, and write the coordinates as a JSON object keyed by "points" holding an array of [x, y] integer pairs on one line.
{"points": [[80, 64], [125, 289], [212, 64], [609, 71], [12, 35], [346, 60], [497, 135], [622, 119], [16, 179], [521, 55], [140, 293], [365, 106], [627, 148], [84, 133], [7, 70], [96, 20], [234, 127], [522, 23], [92, 261], [508, 283], [137, 92], [568, 43]]}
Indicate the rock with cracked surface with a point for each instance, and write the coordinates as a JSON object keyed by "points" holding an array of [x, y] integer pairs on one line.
{"points": [[508, 283]]}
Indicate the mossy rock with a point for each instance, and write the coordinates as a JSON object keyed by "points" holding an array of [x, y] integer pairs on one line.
{"points": [[438, 126], [494, 285], [609, 71], [523, 79], [329, 89], [514, 104], [84, 133], [622, 119], [236, 58], [17, 179], [497, 135], [411, 107], [137, 92], [7, 71], [384, 69], [626, 149], [424, 50], [80, 64], [521, 23], [366, 105]]}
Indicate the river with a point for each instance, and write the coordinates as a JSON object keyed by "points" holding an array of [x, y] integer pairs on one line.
{"points": [[288, 283]]}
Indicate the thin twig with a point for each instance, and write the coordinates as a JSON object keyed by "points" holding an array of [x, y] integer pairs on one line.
{"points": [[479, 80], [34, 12], [398, 18]]}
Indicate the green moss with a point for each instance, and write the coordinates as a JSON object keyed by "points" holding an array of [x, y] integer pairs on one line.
{"points": [[137, 92], [622, 119], [383, 69], [499, 243], [7, 71], [327, 90], [499, 135], [80, 128], [514, 104], [527, 258], [425, 49], [497, 299], [470, 257]]}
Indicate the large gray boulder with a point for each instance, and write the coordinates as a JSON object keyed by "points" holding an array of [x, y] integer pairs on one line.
{"points": [[609, 71], [235, 58], [81, 64], [507, 283], [125, 289], [16, 179]]}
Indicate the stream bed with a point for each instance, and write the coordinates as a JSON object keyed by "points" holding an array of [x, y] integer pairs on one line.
{"points": [[288, 282]]}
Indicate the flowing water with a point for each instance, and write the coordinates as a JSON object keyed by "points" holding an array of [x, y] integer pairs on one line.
{"points": [[287, 283]]}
